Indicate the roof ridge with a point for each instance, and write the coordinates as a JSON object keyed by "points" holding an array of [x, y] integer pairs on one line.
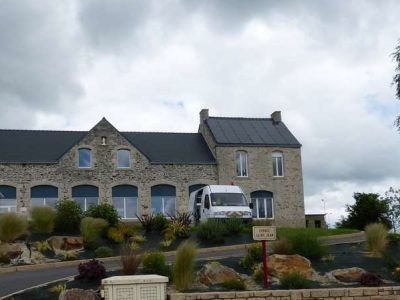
{"points": [[45, 130], [144, 132], [240, 118]]}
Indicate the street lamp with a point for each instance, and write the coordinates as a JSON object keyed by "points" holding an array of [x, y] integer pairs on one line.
{"points": [[323, 201]]}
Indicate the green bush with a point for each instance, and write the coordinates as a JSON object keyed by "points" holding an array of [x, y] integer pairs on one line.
{"points": [[42, 246], [393, 238], [154, 263], [91, 229], [12, 226], [183, 268], [233, 226], [147, 222], [4, 260], [103, 251], [375, 235], [160, 222], [211, 231], [121, 231], [103, 211], [68, 216], [294, 280], [43, 219], [235, 285], [252, 257], [307, 245]]}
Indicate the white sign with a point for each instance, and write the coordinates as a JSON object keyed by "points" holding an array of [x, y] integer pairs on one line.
{"points": [[264, 233]]}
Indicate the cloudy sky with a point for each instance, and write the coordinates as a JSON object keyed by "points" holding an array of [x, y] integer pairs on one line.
{"points": [[152, 65]]}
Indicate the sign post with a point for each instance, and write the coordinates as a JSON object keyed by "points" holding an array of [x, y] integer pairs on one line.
{"points": [[264, 234]]}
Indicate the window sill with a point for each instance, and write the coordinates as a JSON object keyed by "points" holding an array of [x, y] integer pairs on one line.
{"points": [[242, 177], [278, 177]]}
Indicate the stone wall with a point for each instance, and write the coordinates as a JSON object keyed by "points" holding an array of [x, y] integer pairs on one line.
{"points": [[378, 293]]}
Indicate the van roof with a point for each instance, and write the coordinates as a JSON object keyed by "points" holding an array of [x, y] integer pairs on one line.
{"points": [[225, 189]]}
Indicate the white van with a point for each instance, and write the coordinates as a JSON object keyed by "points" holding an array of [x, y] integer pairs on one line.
{"points": [[219, 201]]}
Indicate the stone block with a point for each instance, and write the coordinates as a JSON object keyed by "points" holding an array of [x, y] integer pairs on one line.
{"points": [[320, 293], [356, 292], [337, 293]]}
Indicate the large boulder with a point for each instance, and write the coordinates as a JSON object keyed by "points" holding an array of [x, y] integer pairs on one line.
{"points": [[65, 242], [349, 274], [78, 294], [215, 273], [12, 251], [280, 265]]}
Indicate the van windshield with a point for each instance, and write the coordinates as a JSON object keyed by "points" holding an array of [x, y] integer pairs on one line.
{"points": [[228, 199]]}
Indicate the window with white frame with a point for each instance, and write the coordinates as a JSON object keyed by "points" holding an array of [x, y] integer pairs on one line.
{"points": [[241, 164], [263, 205], [123, 158], [277, 164], [44, 195], [163, 199], [125, 201], [84, 158], [85, 195], [8, 199]]}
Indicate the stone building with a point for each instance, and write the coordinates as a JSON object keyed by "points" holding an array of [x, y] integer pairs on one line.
{"points": [[143, 172]]}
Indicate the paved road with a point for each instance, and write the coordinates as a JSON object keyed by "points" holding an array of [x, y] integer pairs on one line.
{"points": [[13, 282]]}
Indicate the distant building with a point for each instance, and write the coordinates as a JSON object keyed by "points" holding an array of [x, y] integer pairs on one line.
{"points": [[316, 221], [144, 172]]}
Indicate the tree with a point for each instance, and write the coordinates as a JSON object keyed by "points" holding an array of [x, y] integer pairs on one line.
{"points": [[396, 78], [392, 197], [369, 208]]}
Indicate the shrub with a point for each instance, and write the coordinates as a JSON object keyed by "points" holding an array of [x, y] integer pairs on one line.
{"points": [[294, 280], [397, 273], [258, 273], [68, 216], [154, 263], [160, 222], [306, 244], [175, 229], [120, 232], [184, 218], [253, 256], [370, 279], [212, 231], [42, 246], [91, 229], [92, 270], [68, 255], [43, 219], [375, 235], [147, 222], [393, 238], [103, 211], [233, 226], [130, 259], [234, 284], [4, 259], [58, 288], [138, 239], [282, 246], [183, 267], [103, 251], [12, 226]]}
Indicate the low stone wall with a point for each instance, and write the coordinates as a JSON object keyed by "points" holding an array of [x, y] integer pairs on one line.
{"points": [[378, 293]]}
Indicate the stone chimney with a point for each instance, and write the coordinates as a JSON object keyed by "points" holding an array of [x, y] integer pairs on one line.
{"points": [[203, 115], [276, 117]]}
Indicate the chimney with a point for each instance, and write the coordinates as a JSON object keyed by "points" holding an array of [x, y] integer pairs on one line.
{"points": [[203, 115], [276, 117]]}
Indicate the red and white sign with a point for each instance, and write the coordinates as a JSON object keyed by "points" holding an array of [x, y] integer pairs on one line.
{"points": [[264, 233]]}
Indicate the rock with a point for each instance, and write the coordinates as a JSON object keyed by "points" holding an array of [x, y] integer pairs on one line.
{"points": [[65, 242], [12, 251], [215, 273], [78, 294], [349, 274], [280, 265]]}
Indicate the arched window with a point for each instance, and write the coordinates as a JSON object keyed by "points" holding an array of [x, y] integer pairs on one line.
{"points": [[125, 200], [8, 199], [84, 158], [85, 195], [277, 164], [263, 205], [123, 158], [163, 199], [44, 195], [241, 164]]}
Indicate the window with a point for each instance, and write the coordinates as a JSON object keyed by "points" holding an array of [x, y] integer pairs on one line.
{"points": [[84, 158], [85, 195], [8, 199], [123, 156], [263, 206], [163, 199], [241, 164], [125, 200], [277, 164], [44, 195]]}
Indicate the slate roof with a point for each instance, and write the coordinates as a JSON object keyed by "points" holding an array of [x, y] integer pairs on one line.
{"points": [[37, 146], [251, 131]]}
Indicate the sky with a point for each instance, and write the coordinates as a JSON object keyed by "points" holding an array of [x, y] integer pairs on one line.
{"points": [[153, 65]]}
